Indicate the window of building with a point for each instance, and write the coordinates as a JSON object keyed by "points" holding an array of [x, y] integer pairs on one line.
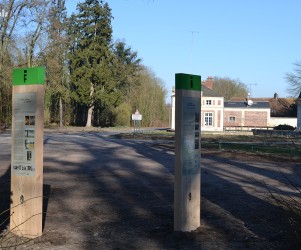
{"points": [[208, 119], [232, 119], [208, 102]]}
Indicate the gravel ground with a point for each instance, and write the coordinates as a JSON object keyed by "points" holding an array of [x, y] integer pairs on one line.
{"points": [[104, 193]]}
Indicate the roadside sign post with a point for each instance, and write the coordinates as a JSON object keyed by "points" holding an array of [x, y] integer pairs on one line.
{"points": [[137, 118], [187, 197], [27, 152]]}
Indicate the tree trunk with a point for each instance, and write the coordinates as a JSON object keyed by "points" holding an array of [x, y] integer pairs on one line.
{"points": [[89, 118], [61, 112], [91, 107]]}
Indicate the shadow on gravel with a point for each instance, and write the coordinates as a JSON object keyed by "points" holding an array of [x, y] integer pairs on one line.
{"points": [[5, 199], [257, 216], [118, 194], [270, 170], [128, 187], [46, 194]]}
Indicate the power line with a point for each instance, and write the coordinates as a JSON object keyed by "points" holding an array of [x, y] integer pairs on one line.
{"points": [[191, 47]]}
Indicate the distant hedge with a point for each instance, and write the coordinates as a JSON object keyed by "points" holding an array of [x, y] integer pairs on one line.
{"points": [[284, 127]]}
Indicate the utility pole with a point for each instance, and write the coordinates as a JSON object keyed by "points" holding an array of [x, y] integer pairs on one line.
{"points": [[191, 48], [250, 87]]}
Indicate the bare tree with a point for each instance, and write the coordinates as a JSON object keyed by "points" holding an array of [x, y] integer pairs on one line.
{"points": [[229, 88], [38, 11], [149, 98], [55, 57], [17, 16], [11, 13], [294, 80]]}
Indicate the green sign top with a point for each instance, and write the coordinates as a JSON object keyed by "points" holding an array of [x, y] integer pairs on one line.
{"points": [[188, 82], [27, 76]]}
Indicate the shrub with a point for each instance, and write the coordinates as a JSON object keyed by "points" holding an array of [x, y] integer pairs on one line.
{"points": [[122, 115], [284, 127]]}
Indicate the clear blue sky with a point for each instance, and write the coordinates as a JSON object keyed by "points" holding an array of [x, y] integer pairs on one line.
{"points": [[255, 41]]}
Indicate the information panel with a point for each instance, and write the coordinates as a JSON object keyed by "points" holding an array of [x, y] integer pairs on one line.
{"points": [[24, 134], [191, 134]]}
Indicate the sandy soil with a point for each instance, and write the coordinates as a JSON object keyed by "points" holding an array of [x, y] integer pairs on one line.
{"points": [[103, 193]]}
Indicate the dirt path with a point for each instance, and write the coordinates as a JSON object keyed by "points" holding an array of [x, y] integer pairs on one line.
{"points": [[118, 194]]}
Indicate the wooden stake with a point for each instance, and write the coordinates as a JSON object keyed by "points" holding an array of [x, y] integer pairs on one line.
{"points": [[27, 152], [187, 196]]}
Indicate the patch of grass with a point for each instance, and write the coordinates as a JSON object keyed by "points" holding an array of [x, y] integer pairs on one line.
{"points": [[232, 142], [285, 149], [234, 137], [146, 134]]}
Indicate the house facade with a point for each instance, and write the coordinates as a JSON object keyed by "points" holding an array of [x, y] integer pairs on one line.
{"points": [[246, 114], [243, 113], [282, 110], [212, 108]]}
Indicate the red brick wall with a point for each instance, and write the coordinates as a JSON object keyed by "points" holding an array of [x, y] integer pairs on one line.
{"points": [[256, 118], [233, 113], [219, 118], [251, 118]]}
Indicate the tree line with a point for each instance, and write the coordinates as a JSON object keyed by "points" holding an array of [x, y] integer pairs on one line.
{"points": [[91, 80]]}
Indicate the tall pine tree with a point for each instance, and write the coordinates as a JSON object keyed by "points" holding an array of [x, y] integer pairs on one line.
{"points": [[92, 78], [128, 66]]}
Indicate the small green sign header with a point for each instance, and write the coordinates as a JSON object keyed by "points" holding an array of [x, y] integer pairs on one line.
{"points": [[188, 82], [27, 76]]}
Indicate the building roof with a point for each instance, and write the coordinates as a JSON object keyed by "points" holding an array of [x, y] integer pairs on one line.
{"points": [[207, 92], [241, 104], [280, 107]]}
